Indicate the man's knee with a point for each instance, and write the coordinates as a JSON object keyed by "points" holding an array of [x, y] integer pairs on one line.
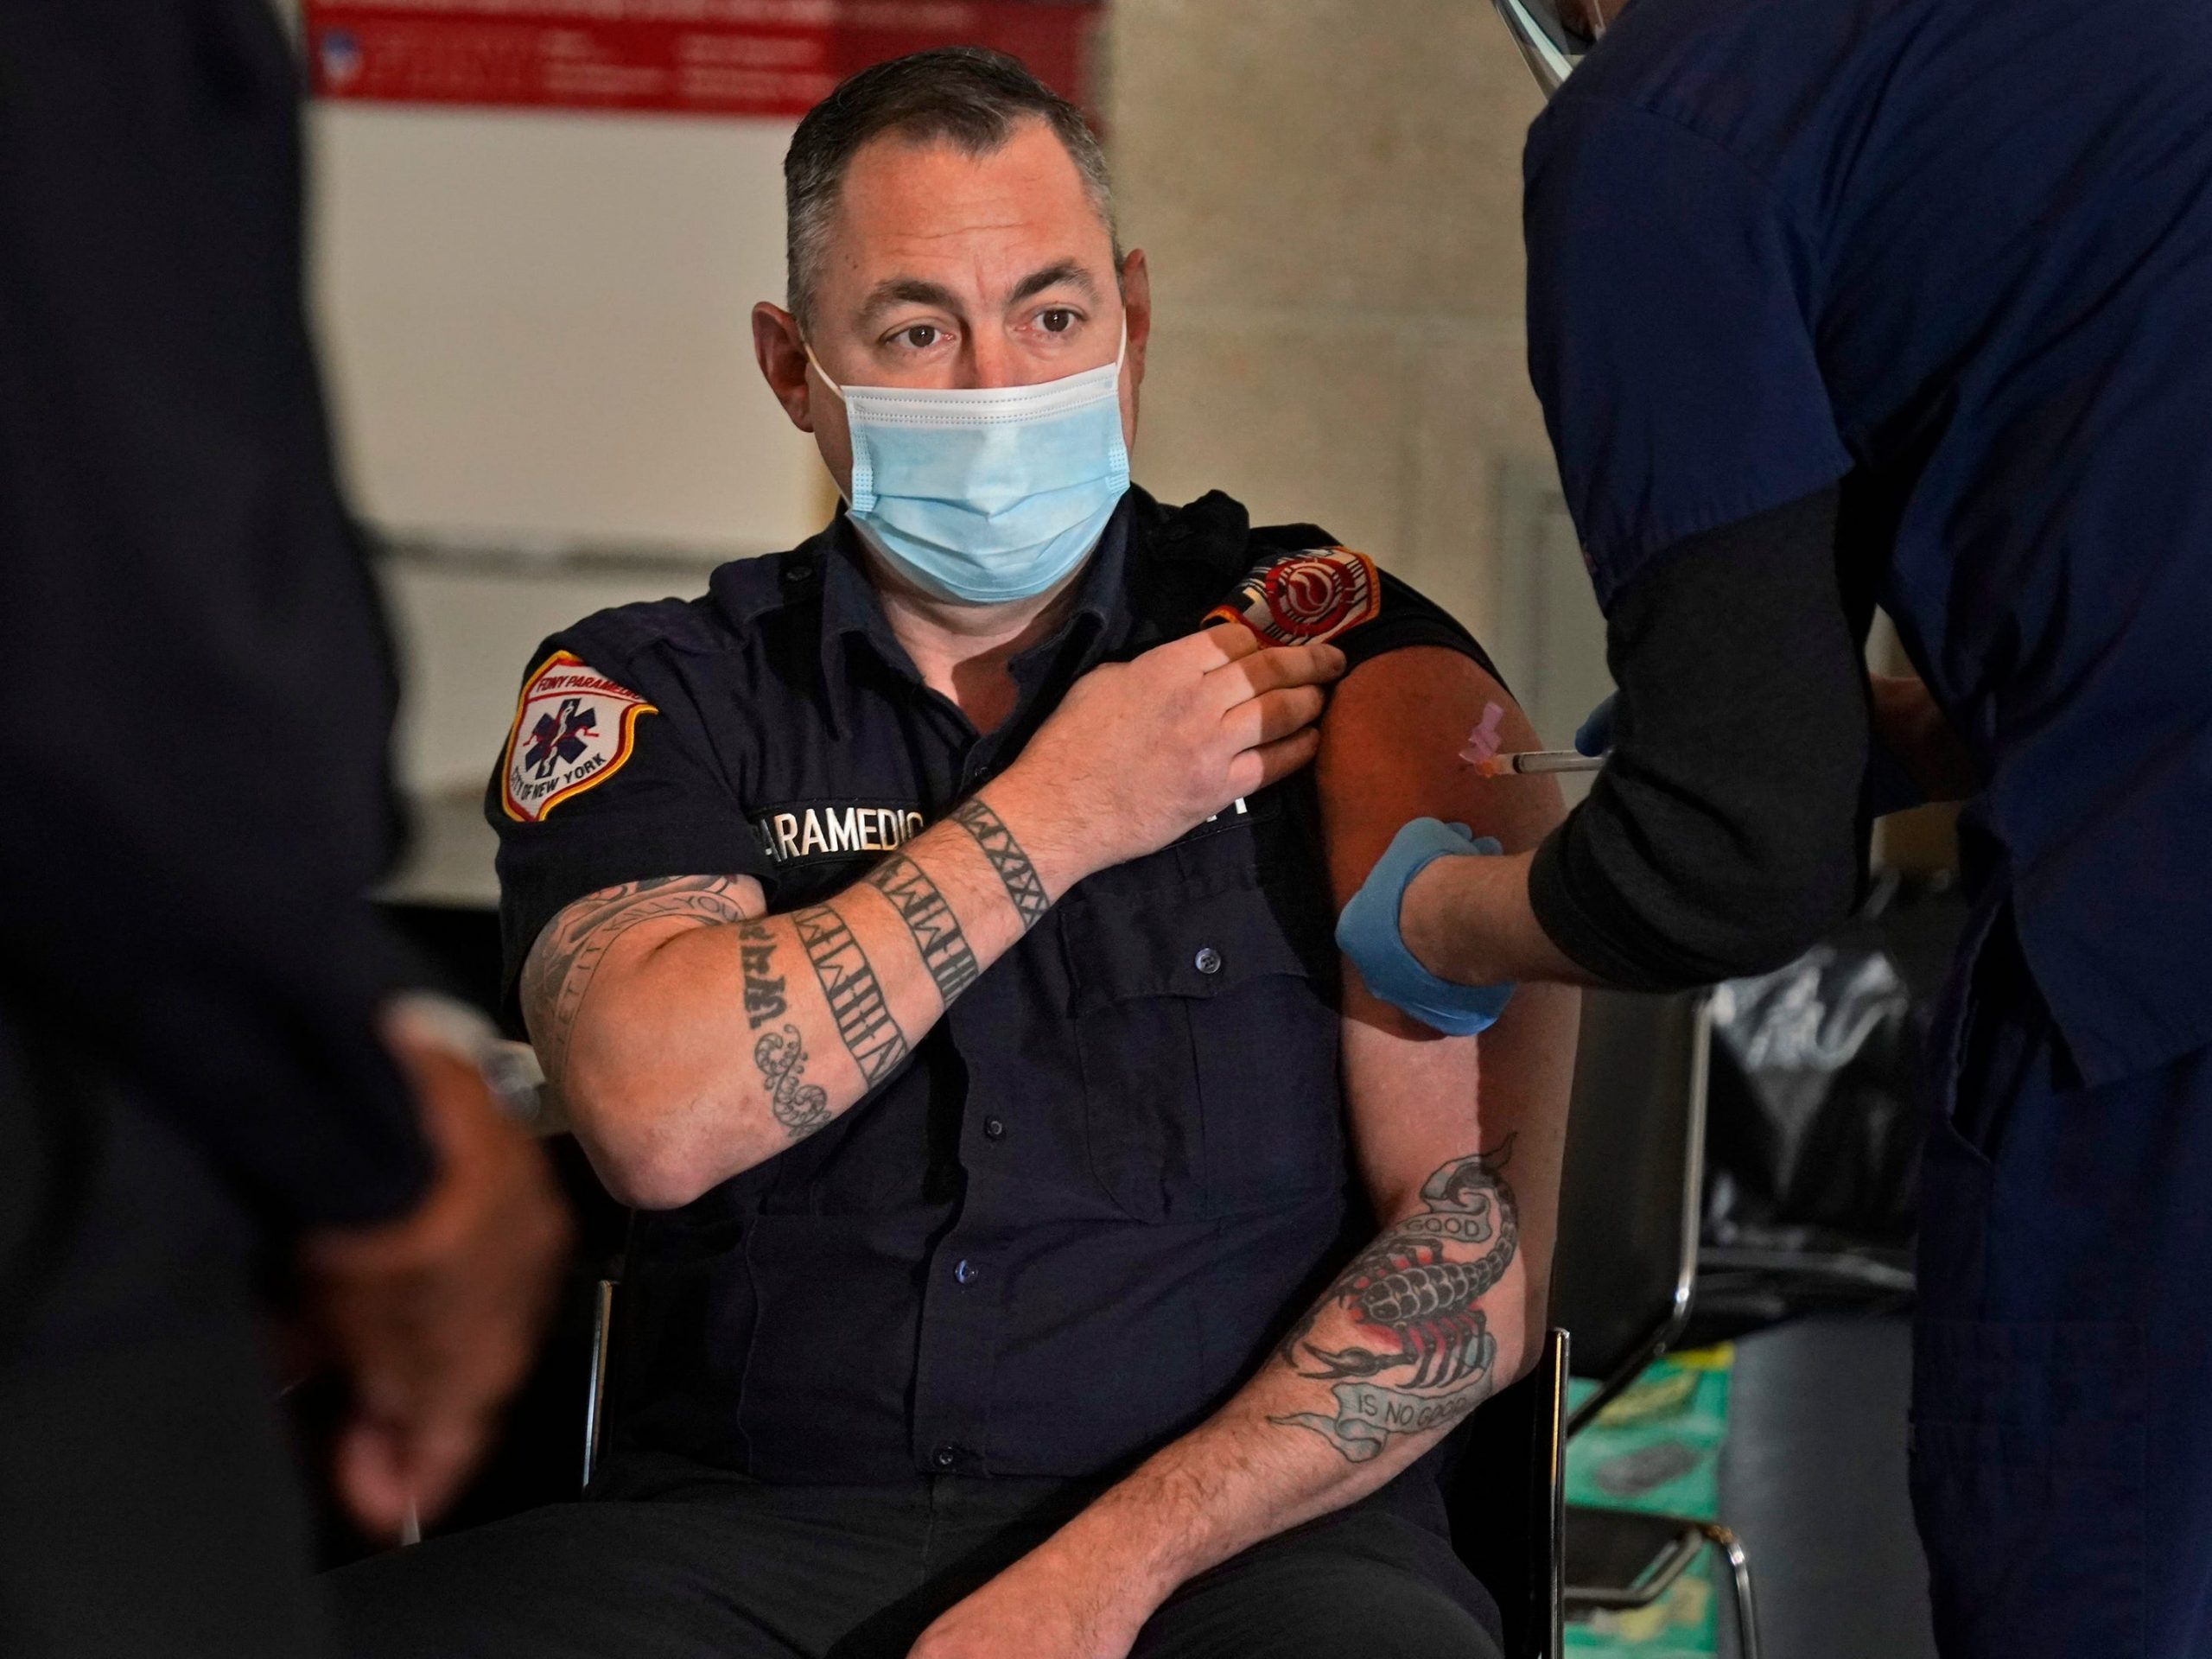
{"points": [[1407, 1620], [495, 1590], [1315, 1603]]}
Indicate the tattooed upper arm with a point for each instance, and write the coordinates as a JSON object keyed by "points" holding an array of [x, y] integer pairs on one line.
{"points": [[571, 947]]}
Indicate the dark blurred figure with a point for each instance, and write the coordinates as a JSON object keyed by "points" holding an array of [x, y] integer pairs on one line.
{"points": [[207, 1092]]}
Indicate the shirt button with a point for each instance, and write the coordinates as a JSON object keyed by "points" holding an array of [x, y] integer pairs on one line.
{"points": [[797, 572], [967, 1272], [946, 1456], [1208, 961], [994, 1128]]}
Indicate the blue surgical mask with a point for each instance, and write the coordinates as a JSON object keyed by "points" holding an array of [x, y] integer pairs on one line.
{"points": [[987, 495]]}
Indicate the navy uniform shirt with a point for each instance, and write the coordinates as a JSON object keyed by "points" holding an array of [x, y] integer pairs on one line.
{"points": [[1072, 1222], [1958, 257]]}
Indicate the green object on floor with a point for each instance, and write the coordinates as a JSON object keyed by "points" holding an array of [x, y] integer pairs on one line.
{"points": [[1657, 1447]]}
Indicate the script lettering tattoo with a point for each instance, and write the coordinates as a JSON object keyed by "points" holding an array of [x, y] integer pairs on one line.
{"points": [[763, 993], [871, 1036], [801, 1108], [559, 969], [1413, 1293], [928, 918], [1023, 886]]}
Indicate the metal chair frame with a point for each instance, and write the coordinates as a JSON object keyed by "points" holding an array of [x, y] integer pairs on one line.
{"points": [[1692, 1534], [1669, 1325], [1504, 1491], [1548, 1457], [602, 1339]]}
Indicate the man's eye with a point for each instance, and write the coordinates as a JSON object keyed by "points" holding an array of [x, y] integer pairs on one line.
{"points": [[1057, 320], [921, 336]]}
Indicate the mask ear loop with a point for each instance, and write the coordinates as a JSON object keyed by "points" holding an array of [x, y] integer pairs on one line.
{"points": [[1120, 456], [861, 496], [815, 363]]}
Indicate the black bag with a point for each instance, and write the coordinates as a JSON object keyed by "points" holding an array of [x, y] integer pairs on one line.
{"points": [[1813, 1137]]}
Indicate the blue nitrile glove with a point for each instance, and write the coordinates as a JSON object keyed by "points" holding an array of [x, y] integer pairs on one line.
{"points": [[1595, 734], [1368, 933]]}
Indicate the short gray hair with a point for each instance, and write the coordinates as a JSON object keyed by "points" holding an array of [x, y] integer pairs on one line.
{"points": [[963, 95]]}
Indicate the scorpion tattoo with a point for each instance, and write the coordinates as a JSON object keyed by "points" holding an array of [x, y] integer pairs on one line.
{"points": [[1407, 1285]]}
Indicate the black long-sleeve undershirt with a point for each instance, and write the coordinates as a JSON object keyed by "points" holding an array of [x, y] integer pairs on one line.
{"points": [[1725, 833]]}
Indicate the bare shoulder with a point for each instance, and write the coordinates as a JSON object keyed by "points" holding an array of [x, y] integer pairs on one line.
{"points": [[1418, 689], [1393, 748]]}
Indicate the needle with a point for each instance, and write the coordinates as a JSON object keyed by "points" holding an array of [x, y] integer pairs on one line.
{"points": [[1502, 765]]}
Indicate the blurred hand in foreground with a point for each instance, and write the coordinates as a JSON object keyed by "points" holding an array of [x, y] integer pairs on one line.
{"points": [[435, 1317]]}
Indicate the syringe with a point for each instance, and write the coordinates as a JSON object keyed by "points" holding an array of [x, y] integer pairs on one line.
{"points": [[1503, 766]]}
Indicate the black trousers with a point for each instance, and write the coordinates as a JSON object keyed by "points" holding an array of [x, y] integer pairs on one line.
{"points": [[148, 1503], [682, 1562]]}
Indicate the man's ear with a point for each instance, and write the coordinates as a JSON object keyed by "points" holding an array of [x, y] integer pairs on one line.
{"points": [[781, 353], [1136, 307]]}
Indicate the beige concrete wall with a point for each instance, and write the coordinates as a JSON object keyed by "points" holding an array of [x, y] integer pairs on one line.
{"points": [[1329, 191]]}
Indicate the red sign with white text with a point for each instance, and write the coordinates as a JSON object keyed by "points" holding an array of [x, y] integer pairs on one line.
{"points": [[705, 57]]}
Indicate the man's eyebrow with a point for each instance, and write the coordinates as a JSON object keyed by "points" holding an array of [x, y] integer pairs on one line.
{"points": [[895, 291], [1069, 271], [906, 290]]}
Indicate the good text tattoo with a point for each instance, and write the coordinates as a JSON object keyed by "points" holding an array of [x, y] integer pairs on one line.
{"points": [[568, 953], [800, 1107], [1413, 1295], [764, 991], [928, 918], [1023, 884], [871, 1036]]}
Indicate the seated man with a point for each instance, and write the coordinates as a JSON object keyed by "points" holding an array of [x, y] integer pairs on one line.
{"points": [[1045, 1249]]}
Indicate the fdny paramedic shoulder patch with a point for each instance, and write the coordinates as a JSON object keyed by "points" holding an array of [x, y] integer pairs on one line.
{"points": [[572, 730], [1301, 599]]}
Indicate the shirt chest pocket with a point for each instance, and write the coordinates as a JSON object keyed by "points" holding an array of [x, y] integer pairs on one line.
{"points": [[1207, 1028]]}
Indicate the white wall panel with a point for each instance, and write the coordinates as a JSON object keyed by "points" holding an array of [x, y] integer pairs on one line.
{"points": [[536, 326]]}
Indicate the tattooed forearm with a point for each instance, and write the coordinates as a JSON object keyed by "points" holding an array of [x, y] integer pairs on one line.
{"points": [[928, 918], [764, 991], [559, 969], [871, 1036], [1023, 884], [800, 1107], [1412, 1295]]}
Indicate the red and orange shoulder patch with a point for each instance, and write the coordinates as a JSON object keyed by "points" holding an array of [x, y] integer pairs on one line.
{"points": [[572, 732], [1302, 598]]}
